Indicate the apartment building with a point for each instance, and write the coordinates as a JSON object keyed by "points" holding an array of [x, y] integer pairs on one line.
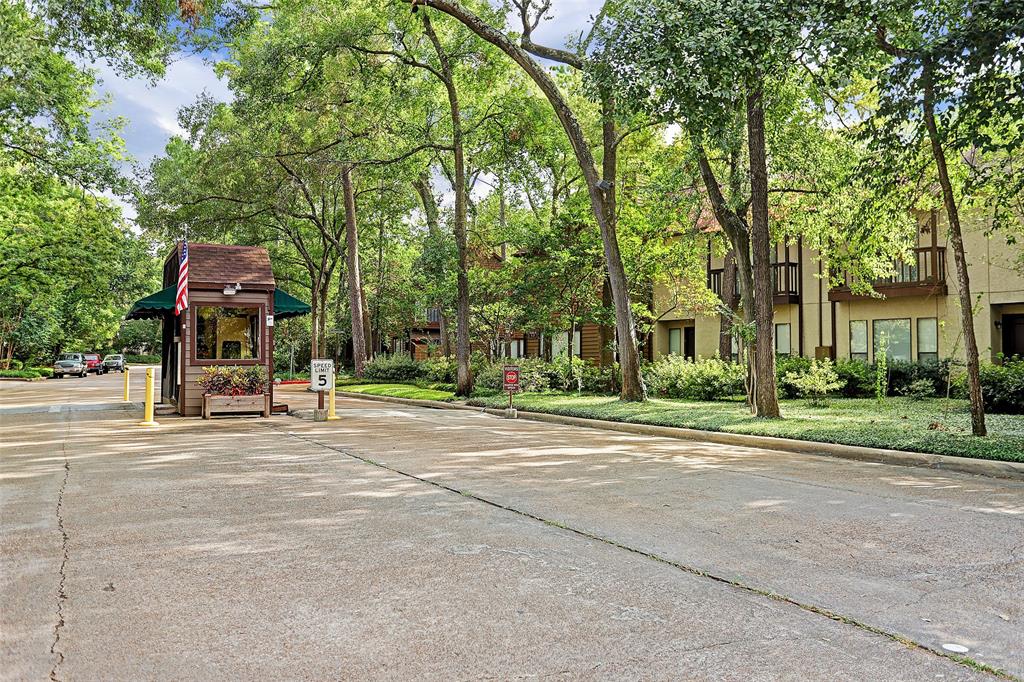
{"points": [[917, 308]]}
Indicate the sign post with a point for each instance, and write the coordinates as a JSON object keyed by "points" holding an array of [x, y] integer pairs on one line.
{"points": [[321, 378], [510, 383]]}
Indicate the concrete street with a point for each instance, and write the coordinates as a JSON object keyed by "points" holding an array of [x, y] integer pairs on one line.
{"points": [[407, 543]]}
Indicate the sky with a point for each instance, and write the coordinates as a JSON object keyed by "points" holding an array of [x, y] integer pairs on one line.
{"points": [[151, 109]]}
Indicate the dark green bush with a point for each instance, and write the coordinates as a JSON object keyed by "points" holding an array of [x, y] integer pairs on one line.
{"points": [[440, 369], [904, 374], [396, 367], [1002, 386], [19, 374], [12, 364], [858, 378], [142, 359], [710, 379], [534, 374], [789, 365]]}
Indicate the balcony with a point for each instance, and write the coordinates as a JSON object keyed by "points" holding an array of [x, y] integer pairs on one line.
{"points": [[785, 282], [925, 275]]}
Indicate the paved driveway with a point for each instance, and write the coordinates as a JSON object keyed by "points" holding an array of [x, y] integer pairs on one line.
{"points": [[403, 542]]}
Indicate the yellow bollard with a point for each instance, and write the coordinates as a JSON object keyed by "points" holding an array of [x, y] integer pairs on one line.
{"points": [[330, 407], [126, 393], [149, 421]]}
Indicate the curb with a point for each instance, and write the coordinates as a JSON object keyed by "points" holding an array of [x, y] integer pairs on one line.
{"points": [[436, 404], [979, 467]]}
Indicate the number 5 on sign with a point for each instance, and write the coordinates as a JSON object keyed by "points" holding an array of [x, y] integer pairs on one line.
{"points": [[321, 375]]}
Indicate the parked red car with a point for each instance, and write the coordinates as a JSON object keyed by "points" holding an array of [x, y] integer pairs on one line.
{"points": [[94, 363]]}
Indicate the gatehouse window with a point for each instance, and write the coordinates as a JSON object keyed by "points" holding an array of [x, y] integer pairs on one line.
{"points": [[227, 333]]}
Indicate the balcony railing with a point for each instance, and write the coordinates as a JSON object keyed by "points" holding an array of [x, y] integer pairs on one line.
{"points": [[924, 275], [785, 282]]}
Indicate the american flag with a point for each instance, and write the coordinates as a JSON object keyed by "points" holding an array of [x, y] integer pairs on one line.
{"points": [[181, 302]]}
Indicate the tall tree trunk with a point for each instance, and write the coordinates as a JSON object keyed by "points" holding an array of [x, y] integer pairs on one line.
{"points": [[957, 242], [736, 230], [429, 203], [766, 401], [464, 382], [730, 299], [629, 359], [609, 173], [367, 328], [314, 320], [605, 333], [355, 284]]}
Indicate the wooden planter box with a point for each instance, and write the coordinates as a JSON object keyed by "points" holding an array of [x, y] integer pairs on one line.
{"points": [[227, 404]]}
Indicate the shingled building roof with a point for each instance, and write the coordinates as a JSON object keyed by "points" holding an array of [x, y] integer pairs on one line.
{"points": [[221, 264]]}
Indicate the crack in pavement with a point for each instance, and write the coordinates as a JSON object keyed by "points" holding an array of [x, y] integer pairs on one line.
{"points": [[61, 594], [692, 570]]}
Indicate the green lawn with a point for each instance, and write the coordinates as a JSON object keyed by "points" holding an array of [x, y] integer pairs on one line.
{"points": [[398, 391], [898, 423]]}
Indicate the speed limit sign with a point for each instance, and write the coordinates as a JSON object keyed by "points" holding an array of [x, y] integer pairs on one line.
{"points": [[321, 375]]}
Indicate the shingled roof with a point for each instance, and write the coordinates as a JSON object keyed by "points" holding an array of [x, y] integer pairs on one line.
{"points": [[221, 264]]}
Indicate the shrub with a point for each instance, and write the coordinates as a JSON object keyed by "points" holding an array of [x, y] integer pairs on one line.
{"points": [[786, 365], [902, 374], [1002, 386], [442, 369], [919, 389], [858, 378], [142, 359], [711, 379], [248, 380], [534, 374], [41, 371], [566, 373], [19, 374], [12, 364], [595, 379], [395, 367], [816, 383]]}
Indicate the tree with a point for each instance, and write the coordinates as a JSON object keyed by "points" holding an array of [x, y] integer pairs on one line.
{"points": [[600, 192], [952, 81]]}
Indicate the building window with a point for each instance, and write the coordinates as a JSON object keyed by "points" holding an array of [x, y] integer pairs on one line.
{"points": [[859, 340], [515, 348], [227, 333], [675, 341], [927, 339], [782, 340], [896, 335], [577, 343]]}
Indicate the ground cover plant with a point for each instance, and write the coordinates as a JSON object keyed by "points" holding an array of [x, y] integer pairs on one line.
{"points": [[932, 425]]}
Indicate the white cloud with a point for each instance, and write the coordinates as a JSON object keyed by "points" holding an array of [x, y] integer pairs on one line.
{"points": [[152, 109]]}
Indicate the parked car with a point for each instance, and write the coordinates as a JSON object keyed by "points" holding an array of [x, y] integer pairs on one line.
{"points": [[70, 363], [113, 363], [93, 363]]}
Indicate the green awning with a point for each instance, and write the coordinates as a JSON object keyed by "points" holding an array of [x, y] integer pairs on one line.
{"points": [[162, 302], [154, 305], [286, 305]]}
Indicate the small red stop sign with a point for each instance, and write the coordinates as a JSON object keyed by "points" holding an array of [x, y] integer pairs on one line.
{"points": [[511, 377]]}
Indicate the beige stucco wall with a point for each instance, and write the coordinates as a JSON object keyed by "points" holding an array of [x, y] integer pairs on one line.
{"points": [[997, 287]]}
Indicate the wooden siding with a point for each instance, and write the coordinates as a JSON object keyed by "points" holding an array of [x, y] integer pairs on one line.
{"points": [[590, 343], [193, 394]]}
